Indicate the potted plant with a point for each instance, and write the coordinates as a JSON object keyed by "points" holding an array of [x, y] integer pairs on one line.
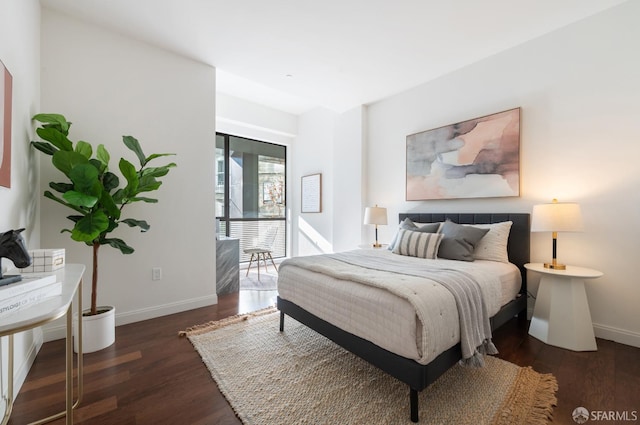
{"points": [[97, 199]]}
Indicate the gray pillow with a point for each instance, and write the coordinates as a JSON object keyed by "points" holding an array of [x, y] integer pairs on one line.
{"points": [[459, 241], [407, 224]]}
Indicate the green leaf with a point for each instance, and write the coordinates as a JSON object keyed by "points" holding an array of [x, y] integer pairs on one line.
{"points": [[55, 120], [110, 181], [48, 194], [129, 172], [45, 147], [113, 225], [109, 205], [119, 244], [148, 184], [103, 155], [57, 138], [119, 196], [144, 199], [85, 179], [66, 160], [98, 165], [133, 144], [80, 199], [158, 155], [158, 171], [61, 187], [89, 227], [143, 225], [84, 149], [75, 218]]}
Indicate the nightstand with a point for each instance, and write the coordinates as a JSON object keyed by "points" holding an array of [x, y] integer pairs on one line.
{"points": [[561, 315]]}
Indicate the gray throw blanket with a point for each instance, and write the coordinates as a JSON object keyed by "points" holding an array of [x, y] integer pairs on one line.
{"points": [[360, 266]]}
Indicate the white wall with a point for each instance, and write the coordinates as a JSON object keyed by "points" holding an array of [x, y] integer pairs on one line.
{"points": [[348, 173], [247, 119], [110, 86], [313, 232], [578, 89], [331, 144], [20, 53]]}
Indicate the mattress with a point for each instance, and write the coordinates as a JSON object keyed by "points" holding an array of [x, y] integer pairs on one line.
{"points": [[388, 320]]}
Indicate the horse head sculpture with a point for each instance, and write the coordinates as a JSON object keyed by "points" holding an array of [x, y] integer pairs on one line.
{"points": [[12, 246]]}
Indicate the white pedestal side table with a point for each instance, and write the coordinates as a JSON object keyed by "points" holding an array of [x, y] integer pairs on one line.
{"points": [[561, 315]]}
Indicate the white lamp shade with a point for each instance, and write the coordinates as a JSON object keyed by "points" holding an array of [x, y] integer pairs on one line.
{"points": [[375, 215], [556, 217]]}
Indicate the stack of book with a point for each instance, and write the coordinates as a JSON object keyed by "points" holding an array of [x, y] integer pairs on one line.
{"points": [[32, 289]]}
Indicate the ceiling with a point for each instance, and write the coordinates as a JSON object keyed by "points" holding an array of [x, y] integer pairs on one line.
{"points": [[294, 55]]}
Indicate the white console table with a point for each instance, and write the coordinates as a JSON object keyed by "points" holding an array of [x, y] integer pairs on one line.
{"points": [[561, 315], [45, 312]]}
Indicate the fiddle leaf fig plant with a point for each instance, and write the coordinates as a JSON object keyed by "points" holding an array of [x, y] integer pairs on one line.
{"points": [[93, 191]]}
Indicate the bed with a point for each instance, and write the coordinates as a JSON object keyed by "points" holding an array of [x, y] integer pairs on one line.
{"points": [[303, 290]]}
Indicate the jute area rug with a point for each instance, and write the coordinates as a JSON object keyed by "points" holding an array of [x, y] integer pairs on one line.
{"points": [[301, 377]]}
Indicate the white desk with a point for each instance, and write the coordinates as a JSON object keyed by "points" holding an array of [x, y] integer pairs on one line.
{"points": [[45, 312], [561, 316]]}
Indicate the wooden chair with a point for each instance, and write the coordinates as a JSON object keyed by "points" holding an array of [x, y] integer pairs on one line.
{"points": [[262, 250]]}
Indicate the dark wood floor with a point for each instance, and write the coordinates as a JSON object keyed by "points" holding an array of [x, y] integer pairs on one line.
{"points": [[151, 376]]}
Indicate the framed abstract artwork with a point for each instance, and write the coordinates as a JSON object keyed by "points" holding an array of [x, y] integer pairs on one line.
{"points": [[478, 158], [6, 86]]}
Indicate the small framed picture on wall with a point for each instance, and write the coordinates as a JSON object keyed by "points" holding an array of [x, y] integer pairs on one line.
{"points": [[312, 193]]}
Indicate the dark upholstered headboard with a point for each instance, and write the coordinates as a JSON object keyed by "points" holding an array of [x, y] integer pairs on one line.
{"points": [[519, 236]]}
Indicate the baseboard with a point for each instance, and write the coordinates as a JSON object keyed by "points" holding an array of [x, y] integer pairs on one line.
{"points": [[622, 336], [55, 331], [610, 333]]}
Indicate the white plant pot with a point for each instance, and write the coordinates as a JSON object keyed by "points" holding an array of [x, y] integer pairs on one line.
{"points": [[98, 331]]}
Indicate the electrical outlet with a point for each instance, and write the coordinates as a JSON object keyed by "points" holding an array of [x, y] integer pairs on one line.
{"points": [[156, 273]]}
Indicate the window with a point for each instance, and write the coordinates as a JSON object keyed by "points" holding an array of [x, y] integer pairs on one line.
{"points": [[251, 191]]}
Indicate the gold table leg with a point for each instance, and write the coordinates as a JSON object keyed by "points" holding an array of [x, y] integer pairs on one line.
{"points": [[70, 405], [9, 400]]}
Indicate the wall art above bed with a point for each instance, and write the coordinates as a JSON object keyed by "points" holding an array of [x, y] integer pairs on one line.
{"points": [[478, 158], [5, 126]]}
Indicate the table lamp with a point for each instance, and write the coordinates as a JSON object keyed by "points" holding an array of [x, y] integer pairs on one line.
{"points": [[376, 216], [556, 217]]}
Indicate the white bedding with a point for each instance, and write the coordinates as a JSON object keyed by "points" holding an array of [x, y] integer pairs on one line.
{"points": [[388, 320]]}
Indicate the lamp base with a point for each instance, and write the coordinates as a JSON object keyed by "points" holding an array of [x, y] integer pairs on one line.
{"points": [[377, 245], [555, 266]]}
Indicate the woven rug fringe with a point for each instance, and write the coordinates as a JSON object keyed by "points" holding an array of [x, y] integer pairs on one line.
{"points": [[217, 324], [541, 387]]}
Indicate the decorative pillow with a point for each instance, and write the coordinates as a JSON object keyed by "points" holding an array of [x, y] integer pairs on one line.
{"points": [[407, 224], [459, 241], [417, 244], [493, 246]]}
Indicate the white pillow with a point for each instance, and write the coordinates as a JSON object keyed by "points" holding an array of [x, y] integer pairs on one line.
{"points": [[493, 246], [417, 244]]}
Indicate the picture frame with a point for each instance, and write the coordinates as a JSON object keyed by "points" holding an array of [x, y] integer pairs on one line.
{"points": [[6, 99], [311, 198], [477, 158]]}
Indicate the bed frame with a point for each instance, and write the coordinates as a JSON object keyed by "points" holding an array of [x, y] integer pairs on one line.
{"points": [[416, 375]]}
